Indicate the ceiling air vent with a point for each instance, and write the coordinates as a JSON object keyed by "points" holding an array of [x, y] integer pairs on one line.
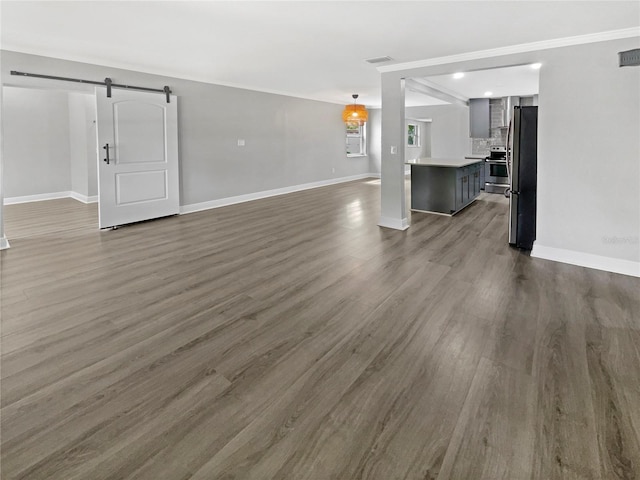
{"points": [[630, 58], [378, 60]]}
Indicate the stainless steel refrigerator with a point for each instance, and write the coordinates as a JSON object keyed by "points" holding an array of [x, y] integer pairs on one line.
{"points": [[523, 177]]}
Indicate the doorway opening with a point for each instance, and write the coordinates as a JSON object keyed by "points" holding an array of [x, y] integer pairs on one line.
{"points": [[50, 165]]}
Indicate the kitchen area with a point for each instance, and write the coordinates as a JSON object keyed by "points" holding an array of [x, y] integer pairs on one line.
{"points": [[489, 120], [500, 158]]}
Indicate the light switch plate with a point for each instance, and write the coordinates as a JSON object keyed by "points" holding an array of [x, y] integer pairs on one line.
{"points": [[394, 150], [241, 142]]}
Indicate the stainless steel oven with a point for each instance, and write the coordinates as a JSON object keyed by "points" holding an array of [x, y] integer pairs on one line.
{"points": [[495, 176]]}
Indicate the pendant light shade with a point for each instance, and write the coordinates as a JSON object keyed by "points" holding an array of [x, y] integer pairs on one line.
{"points": [[355, 113]]}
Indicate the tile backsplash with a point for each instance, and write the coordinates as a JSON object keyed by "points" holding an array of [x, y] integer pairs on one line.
{"points": [[480, 146], [496, 109]]}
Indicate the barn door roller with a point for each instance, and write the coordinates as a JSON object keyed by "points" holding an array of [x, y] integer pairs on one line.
{"points": [[107, 82]]}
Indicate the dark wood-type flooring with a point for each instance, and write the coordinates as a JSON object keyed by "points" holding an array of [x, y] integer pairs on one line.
{"points": [[292, 338]]}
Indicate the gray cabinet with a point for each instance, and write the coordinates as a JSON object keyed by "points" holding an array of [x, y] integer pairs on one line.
{"points": [[444, 189], [462, 187], [480, 176], [479, 118], [467, 184], [477, 181]]}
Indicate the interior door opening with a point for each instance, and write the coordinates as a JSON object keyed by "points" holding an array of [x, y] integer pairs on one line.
{"points": [[49, 155], [53, 158]]}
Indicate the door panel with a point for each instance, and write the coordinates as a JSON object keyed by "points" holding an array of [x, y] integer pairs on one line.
{"points": [[140, 180], [141, 187], [139, 132]]}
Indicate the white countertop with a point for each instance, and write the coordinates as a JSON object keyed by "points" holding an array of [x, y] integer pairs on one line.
{"points": [[443, 162]]}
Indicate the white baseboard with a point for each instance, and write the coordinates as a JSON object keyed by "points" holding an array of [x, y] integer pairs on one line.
{"points": [[395, 223], [4, 243], [36, 198], [41, 197], [373, 175], [83, 198], [598, 262], [223, 202]]}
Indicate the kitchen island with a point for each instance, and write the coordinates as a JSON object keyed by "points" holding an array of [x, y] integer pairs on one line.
{"points": [[444, 185]]}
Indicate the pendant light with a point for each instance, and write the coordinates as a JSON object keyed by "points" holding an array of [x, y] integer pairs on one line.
{"points": [[355, 113]]}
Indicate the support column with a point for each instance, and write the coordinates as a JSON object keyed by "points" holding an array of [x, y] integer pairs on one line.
{"points": [[393, 209], [4, 243]]}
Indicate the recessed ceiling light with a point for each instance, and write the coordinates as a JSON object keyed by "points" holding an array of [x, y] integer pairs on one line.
{"points": [[488, 94], [458, 75], [536, 66]]}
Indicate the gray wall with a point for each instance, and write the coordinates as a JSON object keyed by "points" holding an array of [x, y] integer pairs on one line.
{"points": [[50, 143], [449, 129], [589, 151], [374, 149], [289, 141], [448, 133], [424, 150], [82, 144], [36, 142]]}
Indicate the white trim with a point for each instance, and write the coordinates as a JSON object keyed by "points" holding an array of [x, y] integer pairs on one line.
{"points": [[41, 197], [223, 202], [598, 262], [36, 198], [431, 212], [445, 214], [4, 243], [423, 82], [162, 71], [521, 48], [395, 223], [83, 198], [431, 90]]}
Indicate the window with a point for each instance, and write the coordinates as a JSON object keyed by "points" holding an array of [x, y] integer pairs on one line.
{"points": [[413, 135], [356, 139]]}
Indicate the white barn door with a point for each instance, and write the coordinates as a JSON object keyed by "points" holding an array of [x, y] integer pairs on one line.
{"points": [[137, 156]]}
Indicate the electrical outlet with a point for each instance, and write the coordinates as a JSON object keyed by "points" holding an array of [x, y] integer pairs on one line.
{"points": [[333, 170], [241, 142]]}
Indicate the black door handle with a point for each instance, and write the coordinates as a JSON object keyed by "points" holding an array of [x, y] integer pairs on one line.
{"points": [[106, 147]]}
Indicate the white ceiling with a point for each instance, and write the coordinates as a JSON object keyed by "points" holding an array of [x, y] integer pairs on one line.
{"points": [[306, 49], [521, 80]]}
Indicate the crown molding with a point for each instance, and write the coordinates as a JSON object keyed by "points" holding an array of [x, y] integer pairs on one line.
{"points": [[166, 72], [520, 48]]}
